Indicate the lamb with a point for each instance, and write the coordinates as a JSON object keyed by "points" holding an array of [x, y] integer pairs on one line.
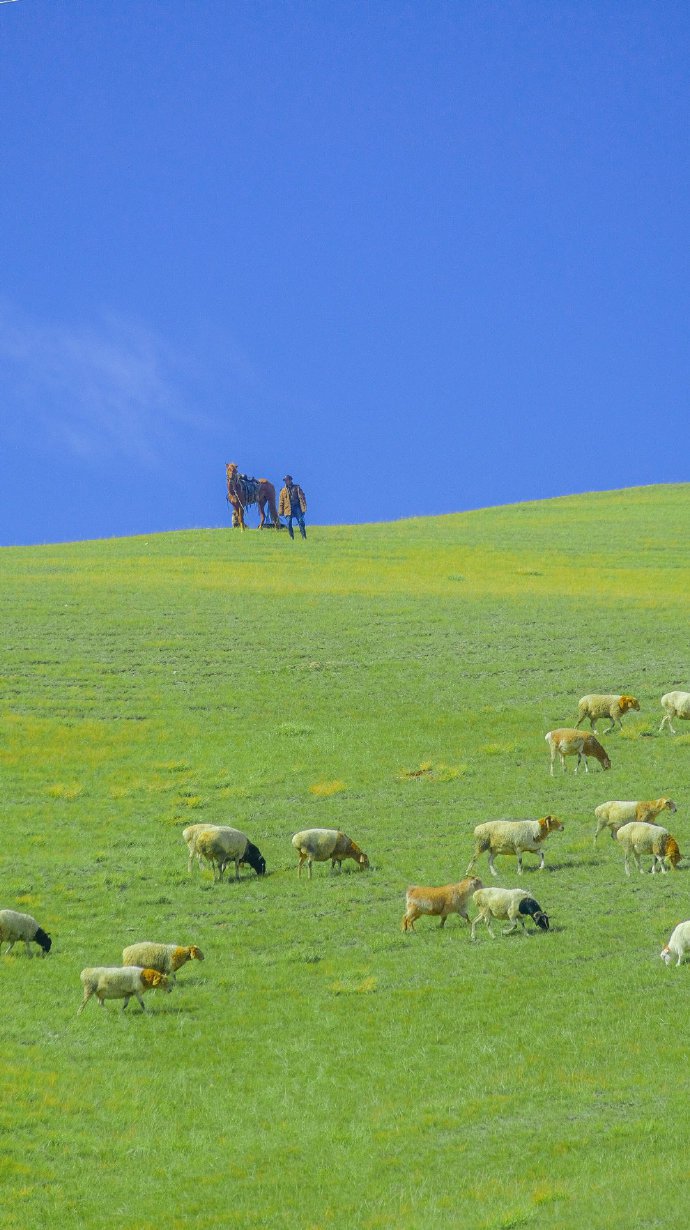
{"points": [[220, 845], [512, 837], [114, 982], [612, 707], [14, 926], [567, 741], [319, 845], [450, 899], [615, 813], [637, 839], [513, 904], [678, 944], [166, 958], [675, 705]]}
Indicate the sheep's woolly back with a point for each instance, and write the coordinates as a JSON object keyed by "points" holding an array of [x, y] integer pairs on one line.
{"points": [[643, 838], [166, 958], [499, 901], [14, 926], [318, 844]]}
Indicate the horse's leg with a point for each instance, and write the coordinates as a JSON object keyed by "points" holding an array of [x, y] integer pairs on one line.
{"points": [[261, 504]]}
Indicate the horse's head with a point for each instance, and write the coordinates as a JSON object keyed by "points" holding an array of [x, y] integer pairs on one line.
{"points": [[231, 469]]}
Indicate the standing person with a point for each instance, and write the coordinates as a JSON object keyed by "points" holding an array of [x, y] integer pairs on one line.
{"points": [[292, 503]]}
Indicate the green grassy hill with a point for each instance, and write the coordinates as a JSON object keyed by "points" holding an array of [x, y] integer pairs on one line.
{"points": [[321, 1069]]}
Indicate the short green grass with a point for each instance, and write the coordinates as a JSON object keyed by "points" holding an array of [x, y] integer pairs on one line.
{"points": [[321, 1069]]}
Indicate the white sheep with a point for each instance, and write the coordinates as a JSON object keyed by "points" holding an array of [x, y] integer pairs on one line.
{"points": [[637, 839], [115, 982], [617, 812], [221, 845], [231, 846], [320, 845], [513, 904], [14, 926], [512, 837], [595, 706], [675, 705], [678, 944], [189, 836], [449, 899], [166, 958]]}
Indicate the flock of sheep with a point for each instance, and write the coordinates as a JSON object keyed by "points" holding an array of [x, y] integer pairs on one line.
{"points": [[146, 966]]}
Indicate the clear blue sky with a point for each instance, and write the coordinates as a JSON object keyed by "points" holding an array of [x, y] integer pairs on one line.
{"points": [[425, 256]]}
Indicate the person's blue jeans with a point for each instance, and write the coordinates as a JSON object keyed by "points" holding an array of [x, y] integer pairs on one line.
{"points": [[298, 516]]}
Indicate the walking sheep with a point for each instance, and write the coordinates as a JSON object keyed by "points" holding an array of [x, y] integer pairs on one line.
{"points": [[637, 839], [674, 705], [114, 982], [512, 837], [14, 926], [678, 944], [320, 845], [513, 904], [569, 742], [166, 958], [450, 899], [612, 707], [615, 813]]}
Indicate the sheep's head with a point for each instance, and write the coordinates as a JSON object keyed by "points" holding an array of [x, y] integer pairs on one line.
{"points": [[673, 854], [153, 978], [43, 939], [529, 906], [551, 824], [195, 954], [628, 702], [362, 859], [666, 955], [669, 805]]}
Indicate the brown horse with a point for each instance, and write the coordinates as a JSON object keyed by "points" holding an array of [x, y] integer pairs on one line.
{"points": [[243, 491]]}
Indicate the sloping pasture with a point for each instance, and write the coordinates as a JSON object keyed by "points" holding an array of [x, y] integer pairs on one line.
{"points": [[321, 1069]]}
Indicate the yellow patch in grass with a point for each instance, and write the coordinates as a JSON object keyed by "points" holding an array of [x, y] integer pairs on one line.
{"points": [[324, 790], [62, 791]]}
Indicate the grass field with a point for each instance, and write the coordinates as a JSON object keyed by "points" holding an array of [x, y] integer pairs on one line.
{"points": [[321, 1069]]}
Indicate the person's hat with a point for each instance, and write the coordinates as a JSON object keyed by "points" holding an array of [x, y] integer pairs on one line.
{"points": [[288, 478]]}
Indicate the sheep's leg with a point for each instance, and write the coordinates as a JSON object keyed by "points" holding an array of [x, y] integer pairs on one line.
{"points": [[27, 948], [10, 946], [310, 862], [84, 1002], [237, 869], [627, 868], [472, 861], [513, 927], [302, 858], [492, 867], [541, 865], [127, 999], [141, 1001], [443, 921], [481, 917], [519, 863], [562, 761]]}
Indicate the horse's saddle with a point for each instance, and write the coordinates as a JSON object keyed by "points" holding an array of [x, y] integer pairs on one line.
{"points": [[250, 489]]}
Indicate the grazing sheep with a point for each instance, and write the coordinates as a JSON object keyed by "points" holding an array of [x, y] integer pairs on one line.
{"points": [[570, 742], [450, 899], [166, 958], [615, 813], [14, 926], [114, 982], [513, 904], [678, 944], [637, 839], [512, 837], [675, 705], [320, 845], [220, 845], [613, 707]]}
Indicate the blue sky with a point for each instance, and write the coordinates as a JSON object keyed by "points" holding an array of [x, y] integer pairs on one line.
{"points": [[424, 256]]}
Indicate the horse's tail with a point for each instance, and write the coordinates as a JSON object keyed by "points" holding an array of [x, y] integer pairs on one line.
{"points": [[272, 506]]}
